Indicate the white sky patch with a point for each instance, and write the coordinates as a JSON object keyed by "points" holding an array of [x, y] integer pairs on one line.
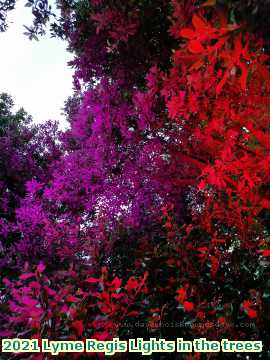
{"points": [[34, 73]]}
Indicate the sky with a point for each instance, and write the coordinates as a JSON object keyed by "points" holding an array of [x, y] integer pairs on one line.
{"points": [[34, 73]]}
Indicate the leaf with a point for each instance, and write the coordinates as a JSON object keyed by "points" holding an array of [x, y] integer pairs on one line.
{"points": [[252, 313], [78, 326], [197, 65], [187, 33], [199, 23], [202, 249], [40, 268], [117, 282], [73, 299], [181, 295], [132, 284], [266, 253], [246, 304], [202, 184], [210, 3], [26, 276], [101, 336], [195, 47], [265, 204], [133, 313], [28, 301], [118, 296], [222, 82], [34, 285], [92, 280], [49, 291], [188, 306]]}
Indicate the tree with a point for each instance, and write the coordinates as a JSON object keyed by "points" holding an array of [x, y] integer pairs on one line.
{"points": [[26, 153], [157, 209]]}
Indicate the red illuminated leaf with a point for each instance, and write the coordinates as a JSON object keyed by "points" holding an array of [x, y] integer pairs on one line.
{"points": [[266, 253], [117, 282], [197, 65], [132, 284], [252, 313], [78, 326], [195, 47], [187, 33], [181, 295], [199, 23], [265, 204], [243, 78], [92, 280], [72, 298], [246, 304], [188, 306], [222, 82]]}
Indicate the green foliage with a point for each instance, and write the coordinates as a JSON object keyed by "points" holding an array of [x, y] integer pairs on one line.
{"points": [[8, 118]]}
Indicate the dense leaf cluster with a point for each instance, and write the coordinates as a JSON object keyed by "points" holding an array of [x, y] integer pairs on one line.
{"points": [[153, 207]]}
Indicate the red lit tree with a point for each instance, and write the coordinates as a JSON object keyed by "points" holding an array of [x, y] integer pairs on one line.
{"points": [[157, 210]]}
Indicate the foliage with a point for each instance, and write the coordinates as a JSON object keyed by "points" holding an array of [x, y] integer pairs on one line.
{"points": [[155, 208], [26, 154]]}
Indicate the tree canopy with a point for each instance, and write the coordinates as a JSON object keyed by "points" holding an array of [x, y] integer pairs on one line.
{"points": [[153, 207]]}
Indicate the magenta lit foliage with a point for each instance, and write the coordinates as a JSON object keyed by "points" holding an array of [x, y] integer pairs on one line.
{"points": [[27, 153], [115, 169]]}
